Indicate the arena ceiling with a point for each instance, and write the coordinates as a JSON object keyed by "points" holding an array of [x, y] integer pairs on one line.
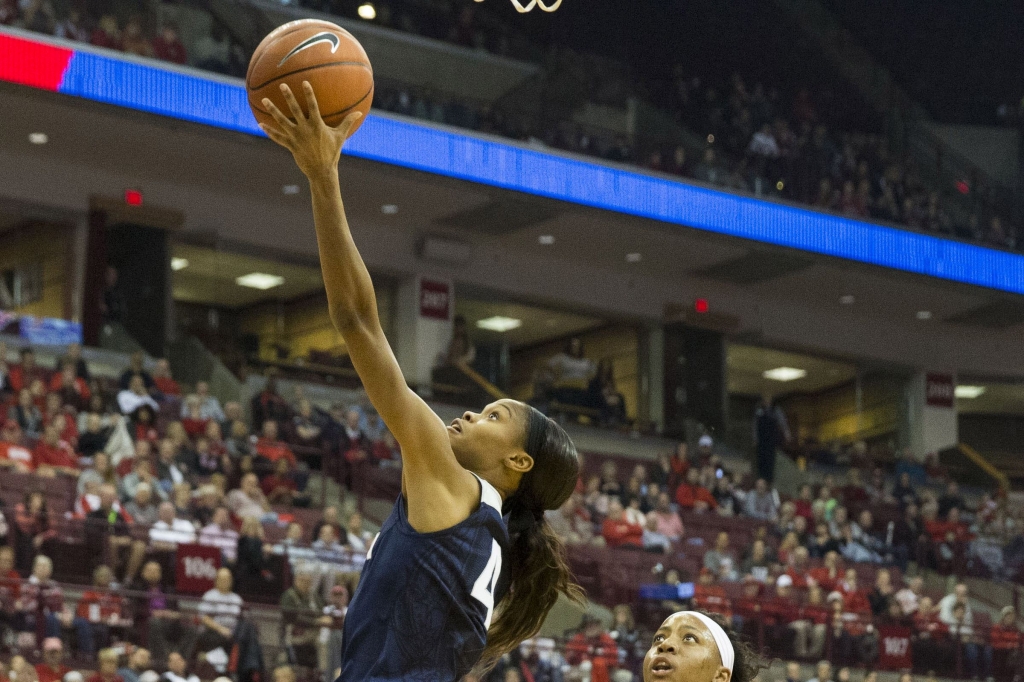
{"points": [[246, 190]]}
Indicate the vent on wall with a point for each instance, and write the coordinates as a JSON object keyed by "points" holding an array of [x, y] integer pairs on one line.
{"points": [[754, 267], [444, 250], [499, 217], [996, 315]]}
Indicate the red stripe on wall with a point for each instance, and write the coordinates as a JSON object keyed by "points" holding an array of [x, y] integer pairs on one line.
{"points": [[34, 64]]}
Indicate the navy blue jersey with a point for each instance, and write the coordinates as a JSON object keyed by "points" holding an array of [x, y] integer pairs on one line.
{"points": [[425, 600]]}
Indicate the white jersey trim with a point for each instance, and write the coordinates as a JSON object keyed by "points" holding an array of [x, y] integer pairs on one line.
{"points": [[488, 495]]}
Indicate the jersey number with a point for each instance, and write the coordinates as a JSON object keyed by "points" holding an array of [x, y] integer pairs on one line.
{"points": [[483, 588]]}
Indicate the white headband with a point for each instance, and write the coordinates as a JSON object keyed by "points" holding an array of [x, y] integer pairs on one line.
{"points": [[725, 649]]}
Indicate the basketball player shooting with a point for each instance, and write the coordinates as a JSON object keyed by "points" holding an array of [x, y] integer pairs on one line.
{"points": [[465, 567]]}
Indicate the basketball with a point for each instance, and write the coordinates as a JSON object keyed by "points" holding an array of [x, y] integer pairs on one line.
{"points": [[320, 52]]}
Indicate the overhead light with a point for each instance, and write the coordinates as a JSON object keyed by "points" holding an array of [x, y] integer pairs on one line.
{"points": [[259, 280], [38, 138], [924, 314], [290, 189], [785, 374], [367, 11], [969, 392], [546, 239], [780, 185], [848, 299], [499, 323], [633, 257], [711, 139], [389, 209], [179, 263]]}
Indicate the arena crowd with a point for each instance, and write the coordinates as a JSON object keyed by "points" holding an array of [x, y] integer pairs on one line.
{"points": [[134, 469]]}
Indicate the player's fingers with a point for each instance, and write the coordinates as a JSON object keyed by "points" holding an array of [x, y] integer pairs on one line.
{"points": [[278, 115], [275, 134], [311, 103], [345, 127], [293, 104]]}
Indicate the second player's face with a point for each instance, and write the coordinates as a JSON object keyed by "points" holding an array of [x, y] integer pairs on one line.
{"points": [[683, 650], [480, 440]]}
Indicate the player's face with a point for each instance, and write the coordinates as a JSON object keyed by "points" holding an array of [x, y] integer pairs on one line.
{"points": [[684, 650], [481, 440]]}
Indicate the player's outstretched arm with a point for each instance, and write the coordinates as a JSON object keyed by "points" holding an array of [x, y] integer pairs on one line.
{"points": [[443, 493]]}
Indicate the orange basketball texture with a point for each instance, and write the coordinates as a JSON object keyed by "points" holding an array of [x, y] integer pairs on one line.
{"points": [[320, 52]]}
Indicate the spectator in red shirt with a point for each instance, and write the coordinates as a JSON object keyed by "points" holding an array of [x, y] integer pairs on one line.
{"points": [[107, 34], [778, 612], [167, 46], [12, 454], [799, 567], [854, 599], [21, 376], [951, 530], [52, 669], [594, 644], [72, 389], [809, 630], [97, 610], [854, 492], [679, 466], [710, 596], [355, 445], [386, 451], [280, 487], [192, 420], [52, 455], [829, 573], [617, 530], [1006, 641], [692, 496], [804, 503], [931, 646], [162, 377], [268, 404], [107, 672], [747, 609], [271, 447]]}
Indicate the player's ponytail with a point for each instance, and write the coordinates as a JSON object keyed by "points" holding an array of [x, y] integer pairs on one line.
{"points": [[536, 564]]}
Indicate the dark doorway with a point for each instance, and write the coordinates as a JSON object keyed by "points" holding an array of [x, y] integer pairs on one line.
{"points": [[141, 256]]}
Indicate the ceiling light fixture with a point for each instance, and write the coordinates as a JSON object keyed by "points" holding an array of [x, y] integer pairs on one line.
{"points": [[633, 257], [498, 323], [848, 299], [367, 11], [969, 392], [785, 374], [389, 209], [259, 280], [179, 264], [290, 189], [38, 138], [924, 314], [546, 239]]}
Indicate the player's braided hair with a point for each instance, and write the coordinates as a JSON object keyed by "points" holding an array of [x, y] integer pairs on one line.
{"points": [[536, 567]]}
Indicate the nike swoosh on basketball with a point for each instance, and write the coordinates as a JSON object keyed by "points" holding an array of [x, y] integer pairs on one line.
{"points": [[324, 37]]}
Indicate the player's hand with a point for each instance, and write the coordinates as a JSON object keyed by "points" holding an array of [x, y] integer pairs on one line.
{"points": [[315, 145]]}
